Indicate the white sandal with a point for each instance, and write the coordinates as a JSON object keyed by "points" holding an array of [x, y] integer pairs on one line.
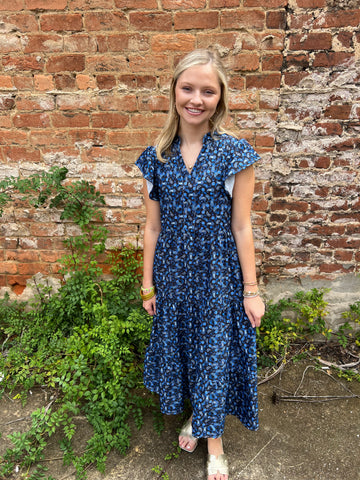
{"points": [[217, 464], [186, 431]]}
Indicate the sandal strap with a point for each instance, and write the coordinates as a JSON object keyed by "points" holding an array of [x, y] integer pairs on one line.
{"points": [[217, 464], [186, 430]]}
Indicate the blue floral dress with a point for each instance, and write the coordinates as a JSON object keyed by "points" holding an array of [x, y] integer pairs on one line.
{"points": [[202, 345]]}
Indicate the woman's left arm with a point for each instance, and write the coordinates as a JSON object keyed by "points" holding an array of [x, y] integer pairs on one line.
{"points": [[242, 231]]}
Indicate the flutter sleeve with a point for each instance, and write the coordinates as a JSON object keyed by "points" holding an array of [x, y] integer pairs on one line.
{"points": [[147, 165], [241, 156]]}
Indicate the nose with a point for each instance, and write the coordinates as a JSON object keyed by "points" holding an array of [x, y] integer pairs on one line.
{"points": [[196, 98]]}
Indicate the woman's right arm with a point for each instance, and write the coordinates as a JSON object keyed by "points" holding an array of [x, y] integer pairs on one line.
{"points": [[151, 234]]}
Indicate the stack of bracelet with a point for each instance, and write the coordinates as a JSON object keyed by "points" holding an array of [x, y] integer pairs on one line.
{"points": [[250, 294], [147, 293]]}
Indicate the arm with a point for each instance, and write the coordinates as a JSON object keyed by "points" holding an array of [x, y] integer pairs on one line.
{"points": [[242, 230], [151, 234]]}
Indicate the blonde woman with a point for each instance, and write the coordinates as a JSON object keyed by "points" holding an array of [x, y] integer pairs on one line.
{"points": [[199, 279]]}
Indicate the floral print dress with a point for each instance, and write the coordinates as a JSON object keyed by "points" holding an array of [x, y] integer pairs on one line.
{"points": [[202, 345]]}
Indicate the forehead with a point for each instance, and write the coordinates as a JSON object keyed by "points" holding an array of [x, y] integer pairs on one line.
{"points": [[200, 74]]}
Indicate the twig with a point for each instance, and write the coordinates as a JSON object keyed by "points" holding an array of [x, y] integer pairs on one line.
{"points": [[17, 420], [263, 448], [340, 367], [310, 398], [266, 379]]}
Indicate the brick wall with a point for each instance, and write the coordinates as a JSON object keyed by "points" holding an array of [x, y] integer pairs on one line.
{"points": [[84, 83]]}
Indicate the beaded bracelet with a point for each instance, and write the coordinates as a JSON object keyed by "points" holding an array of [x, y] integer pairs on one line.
{"points": [[147, 293], [250, 294]]}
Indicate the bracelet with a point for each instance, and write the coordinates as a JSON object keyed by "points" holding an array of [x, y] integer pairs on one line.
{"points": [[250, 283], [250, 294], [147, 293]]}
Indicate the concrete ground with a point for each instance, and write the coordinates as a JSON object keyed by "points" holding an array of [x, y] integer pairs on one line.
{"points": [[297, 439]]}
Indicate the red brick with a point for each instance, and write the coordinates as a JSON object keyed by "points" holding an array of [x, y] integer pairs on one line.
{"points": [[21, 154], [243, 101], [22, 255], [223, 3], [85, 5], [294, 78], [154, 103], [46, 4], [274, 41], [23, 63], [182, 4], [75, 102], [322, 162], [106, 82], [65, 81], [269, 81], [43, 82], [158, 21], [332, 268], [152, 120], [240, 18], [289, 206], [264, 140], [227, 40], [22, 22], [109, 120], [328, 128], [297, 60], [80, 42], [36, 102], [339, 112], [267, 4], [106, 63], [180, 42], [97, 21], [340, 18], [84, 82], [11, 5], [32, 120], [61, 22], [272, 62], [246, 62], [128, 41], [66, 63], [10, 43], [130, 139], [44, 43], [310, 41], [43, 137], [300, 21], [13, 137], [137, 4], [69, 120], [121, 103], [311, 3], [97, 137], [8, 268], [345, 38], [332, 59], [5, 122], [276, 19], [196, 20], [7, 102], [149, 63]]}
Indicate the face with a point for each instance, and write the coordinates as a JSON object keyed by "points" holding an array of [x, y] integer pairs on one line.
{"points": [[197, 94]]}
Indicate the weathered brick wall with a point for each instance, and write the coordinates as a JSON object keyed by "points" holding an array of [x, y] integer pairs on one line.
{"points": [[84, 83]]}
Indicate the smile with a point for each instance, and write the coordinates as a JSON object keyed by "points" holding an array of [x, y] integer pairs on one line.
{"points": [[194, 111]]}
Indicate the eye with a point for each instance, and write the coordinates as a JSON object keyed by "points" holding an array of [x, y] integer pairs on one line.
{"points": [[186, 88]]}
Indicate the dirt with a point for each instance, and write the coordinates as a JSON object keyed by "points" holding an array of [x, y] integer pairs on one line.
{"points": [[300, 438]]}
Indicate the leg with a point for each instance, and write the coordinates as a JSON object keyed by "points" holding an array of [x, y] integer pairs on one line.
{"points": [[217, 463]]}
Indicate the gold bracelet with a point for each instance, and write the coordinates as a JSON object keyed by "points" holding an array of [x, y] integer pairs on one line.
{"points": [[150, 293], [252, 284]]}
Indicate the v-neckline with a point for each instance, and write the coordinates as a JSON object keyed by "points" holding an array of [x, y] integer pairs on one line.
{"points": [[190, 173]]}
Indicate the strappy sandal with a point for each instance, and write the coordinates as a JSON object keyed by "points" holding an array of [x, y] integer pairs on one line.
{"points": [[217, 464], [186, 431]]}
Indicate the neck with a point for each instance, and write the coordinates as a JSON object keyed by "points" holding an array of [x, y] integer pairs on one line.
{"points": [[189, 136]]}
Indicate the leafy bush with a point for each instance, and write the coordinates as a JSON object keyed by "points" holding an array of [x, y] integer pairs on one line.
{"points": [[85, 343]]}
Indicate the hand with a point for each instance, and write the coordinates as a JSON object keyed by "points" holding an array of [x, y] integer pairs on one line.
{"points": [[150, 305], [255, 309]]}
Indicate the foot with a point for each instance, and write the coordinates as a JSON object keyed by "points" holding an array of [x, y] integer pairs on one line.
{"points": [[186, 441], [217, 461]]}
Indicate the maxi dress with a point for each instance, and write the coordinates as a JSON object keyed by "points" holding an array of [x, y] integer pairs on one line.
{"points": [[202, 345]]}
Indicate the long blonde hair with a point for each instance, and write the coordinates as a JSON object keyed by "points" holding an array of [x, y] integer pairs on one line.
{"points": [[170, 130]]}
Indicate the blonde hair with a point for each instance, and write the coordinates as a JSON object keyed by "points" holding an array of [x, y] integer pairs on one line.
{"points": [[170, 130]]}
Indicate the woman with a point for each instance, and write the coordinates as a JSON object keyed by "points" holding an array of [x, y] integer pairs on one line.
{"points": [[199, 279]]}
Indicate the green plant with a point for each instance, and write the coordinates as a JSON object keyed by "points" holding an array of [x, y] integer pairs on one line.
{"points": [[291, 320], [350, 329], [85, 343]]}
